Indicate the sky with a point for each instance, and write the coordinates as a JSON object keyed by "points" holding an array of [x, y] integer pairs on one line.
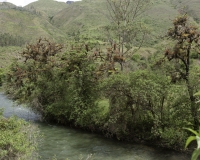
{"points": [[25, 2]]}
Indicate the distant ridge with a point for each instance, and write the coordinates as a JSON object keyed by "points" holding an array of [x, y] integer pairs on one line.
{"points": [[84, 19], [47, 8], [27, 25], [70, 2], [7, 5]]}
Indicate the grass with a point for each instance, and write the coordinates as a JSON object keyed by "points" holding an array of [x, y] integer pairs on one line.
{"points": [[28, 25], [83, 16], [47, 8], [18, 139], [191, 7], [7, 55]]}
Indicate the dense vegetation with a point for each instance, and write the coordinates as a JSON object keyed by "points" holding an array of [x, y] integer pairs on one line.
{"points": [[97, 81], [149, 101], [196, 152], [9, 40], [18, 139]]}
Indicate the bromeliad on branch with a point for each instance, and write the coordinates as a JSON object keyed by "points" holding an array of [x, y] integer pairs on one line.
{"points": [[187, 38]]}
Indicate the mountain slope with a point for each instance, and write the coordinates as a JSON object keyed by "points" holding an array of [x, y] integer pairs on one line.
{"points": [[55, 20], [6, 5], [189, 6], [88, 16], [27, 25], [47, 8], [83, 17]]}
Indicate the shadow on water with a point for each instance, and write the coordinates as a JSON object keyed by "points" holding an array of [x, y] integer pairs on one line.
{"points": [[65, 142]]}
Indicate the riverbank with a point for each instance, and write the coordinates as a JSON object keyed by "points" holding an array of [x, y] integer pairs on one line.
{"points": [[18, 139], [132, 137], [64, 141], [71, 88]]}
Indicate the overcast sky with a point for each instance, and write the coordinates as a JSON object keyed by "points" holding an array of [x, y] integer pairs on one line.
{"points": [[25, 2]]}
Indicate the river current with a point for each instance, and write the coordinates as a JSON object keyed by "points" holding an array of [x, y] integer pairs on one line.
{"points": [[65, 142]]}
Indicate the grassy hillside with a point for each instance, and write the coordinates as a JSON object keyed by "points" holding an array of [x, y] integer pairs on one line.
{"points": [[7, 55], [159, 18], [189, 6], [27, 25], [85, 18], [88, 16], [47, 8], [6, 5]]}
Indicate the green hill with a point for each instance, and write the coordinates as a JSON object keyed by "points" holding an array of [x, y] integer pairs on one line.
{"points": [[27, 25], [190, 6], [88, 16], [85, 18], [6, 5], [47, 8], [87, 13]]}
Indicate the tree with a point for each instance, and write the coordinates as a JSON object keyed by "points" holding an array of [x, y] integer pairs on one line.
{"points": [[60, 86], [187, 38], [39, 59], [125, 25]]}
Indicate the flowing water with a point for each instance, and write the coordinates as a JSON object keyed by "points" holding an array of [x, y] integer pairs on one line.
{"points": [[74, 144]]}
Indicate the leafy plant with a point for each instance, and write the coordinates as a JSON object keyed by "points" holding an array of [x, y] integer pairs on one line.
{"points": [[185, 36], [196, 152], [18, 139], [61, 86]]}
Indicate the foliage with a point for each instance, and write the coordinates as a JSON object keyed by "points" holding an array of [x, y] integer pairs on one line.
{"points": [[18, 139], [196, 152], [66, 87], [36, 58], [186, 38], [9, 40], [83, 87], [171, 138], [141, 104], [61, 87]]}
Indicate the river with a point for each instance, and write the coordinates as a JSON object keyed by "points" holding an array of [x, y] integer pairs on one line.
{"points": [[65, 142]]}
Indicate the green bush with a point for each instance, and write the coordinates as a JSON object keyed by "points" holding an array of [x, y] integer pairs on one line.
{"points": [[18, 139], [62, 87], [173, 138], [66, 88]]}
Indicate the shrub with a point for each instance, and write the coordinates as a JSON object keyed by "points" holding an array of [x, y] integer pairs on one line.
{"points": [[18, 139]]}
